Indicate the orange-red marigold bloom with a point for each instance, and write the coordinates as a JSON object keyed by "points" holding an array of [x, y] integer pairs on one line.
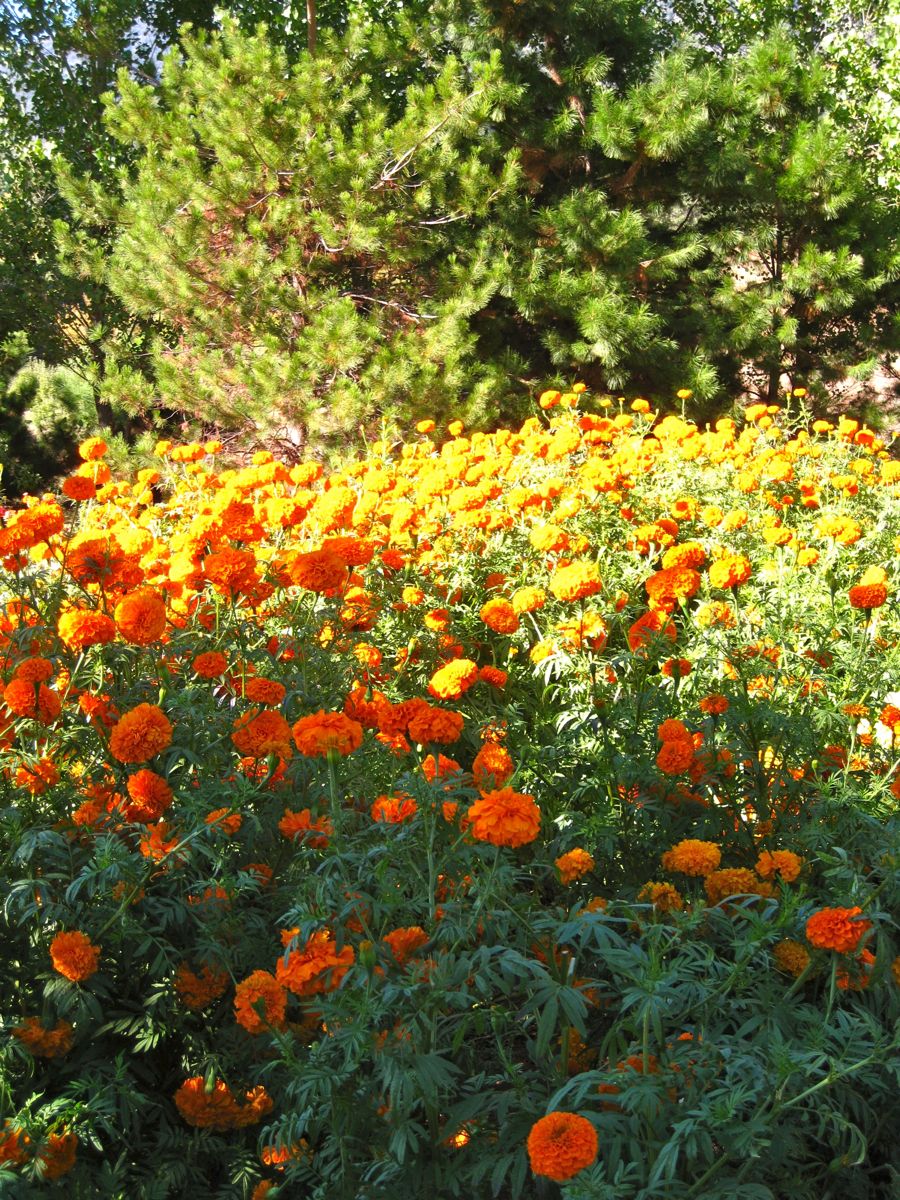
{"points": [[561, 1144], [322, 732], [141, 617], [260, 990], [499, 615], [74, 955], [259, 734], [504, 818], [140, 733], [573, 864], [150, 797], [836, 929]]}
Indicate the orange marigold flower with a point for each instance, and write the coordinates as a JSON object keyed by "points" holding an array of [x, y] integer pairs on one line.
{"points": [[314, 833], [37, 776], [34, 670], [733, 881], [676, 757], [57, 1157], [210, 665], [78, 487], [672, 585], [74, 955], [43, 1042], [14, 1146], [692, 857], [315, 736], [730, 571], [259, 734], [232, 572], [784, 863], [32, 700], [790, 957], [217, 1108], [650, 627], [430, 724], [141, 617], [868, 595], [492, 767], [260, 1002], [198, 990], [499, 615], [714, 704], [264, 691], [504, 818], [150, 797], [226, 820], [673, 730], [140, 733], [663, 896], [494, 676], [318, 571], [316, 967], [859, 976], [574, 864], [561, 1144], [836, 929], [576, 581], [394, 810], [405, 942], [450, 681]]}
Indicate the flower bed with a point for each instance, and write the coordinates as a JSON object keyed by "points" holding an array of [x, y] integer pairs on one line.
{"points": [[492, 814]]}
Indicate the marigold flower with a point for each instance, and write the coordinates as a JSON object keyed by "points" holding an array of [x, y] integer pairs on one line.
{"points": [[259, 734], [672, 585], [504, 818], [260, 990], [492, 767], [730, 571], [32, 700], [316, 735], [140, 733], [264, 691], [692, 857], [790, 957], [836, 929], [57, 1157], [314, 833], [675, 757], [663, 896], [859, 975], [316, 967], [318, 571], [450, 681], [574, 864], [201, 989], [150, 797], [647, 629], [38, 776], [733, 881], [217, 1108], [394, 810], [493, 676], [232, 572], [34, 670], [92, 449], [226, 820], [576, 581], [714, 704], [405, 942], [141, 617], [528, 599], [868, 595], [435, 725], [78, 487], [210, 665], [43, 1042], [561, 1144], [499, 615], [784, 863], [74, 955], [14, 1146]]}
